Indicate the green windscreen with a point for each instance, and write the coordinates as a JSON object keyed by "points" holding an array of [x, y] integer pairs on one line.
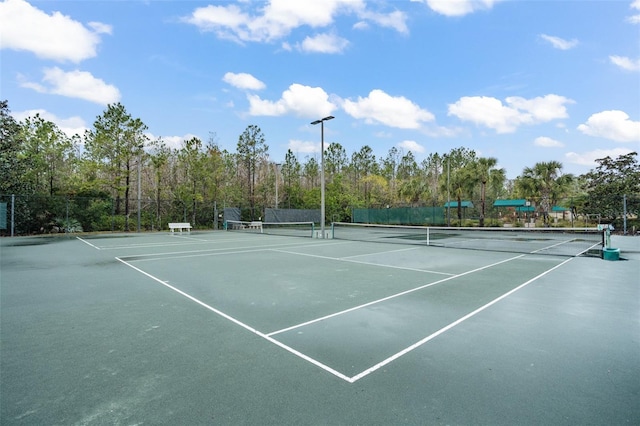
{"points": [[3, 215]]}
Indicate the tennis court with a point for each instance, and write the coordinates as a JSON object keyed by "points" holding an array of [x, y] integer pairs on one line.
{"points": [[248, 328]]}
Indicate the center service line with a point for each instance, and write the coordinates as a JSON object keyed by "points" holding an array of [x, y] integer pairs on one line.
{"points": [[241, 324]]}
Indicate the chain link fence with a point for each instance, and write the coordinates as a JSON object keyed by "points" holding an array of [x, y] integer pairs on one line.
{"points": [[622, 212], [36, 214]]}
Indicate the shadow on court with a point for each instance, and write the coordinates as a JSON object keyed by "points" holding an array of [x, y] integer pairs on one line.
{"points": [[224, 328]]}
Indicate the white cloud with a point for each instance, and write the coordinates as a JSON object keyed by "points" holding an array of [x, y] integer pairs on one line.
{"points": [[560, 43], [70, 126], [396, 20], [614, 125], [361, 25], [412, 146], [75, 84], [302, 101], [379, 107], [304, 147], [492, 113], [634, 19], [541, 109], [589, 158], [625, 63], [56, 36], [324, 43], [278, 18], [546, 142], [101, 28], [243, 81], [458, 7]]}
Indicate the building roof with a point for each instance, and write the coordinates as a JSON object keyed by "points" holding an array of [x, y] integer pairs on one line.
{"points": [[463, 204], [510, 203]]}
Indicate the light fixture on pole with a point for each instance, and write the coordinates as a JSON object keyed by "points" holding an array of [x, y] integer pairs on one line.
{"points": [[322, 207]]}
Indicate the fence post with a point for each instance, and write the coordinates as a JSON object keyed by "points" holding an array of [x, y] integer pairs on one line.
{"points": [[13, 209], [624, 214]]}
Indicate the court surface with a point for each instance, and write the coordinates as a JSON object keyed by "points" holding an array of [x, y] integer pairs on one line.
{"points": [[232, 328]]}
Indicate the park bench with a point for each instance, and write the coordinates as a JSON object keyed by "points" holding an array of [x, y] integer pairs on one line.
{"points": [[255, 225], [180, 227]]}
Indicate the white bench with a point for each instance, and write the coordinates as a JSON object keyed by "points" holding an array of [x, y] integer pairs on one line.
{"points": [[180, 227], [255, 225]]}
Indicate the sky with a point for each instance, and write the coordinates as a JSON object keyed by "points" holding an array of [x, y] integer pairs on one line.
{"points": [[523, 81]]}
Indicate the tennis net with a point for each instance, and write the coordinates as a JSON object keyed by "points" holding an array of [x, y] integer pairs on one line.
{"points": [[294, 229], [553, 241]]}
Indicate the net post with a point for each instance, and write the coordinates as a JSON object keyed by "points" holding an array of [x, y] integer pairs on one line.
{"points": [[428, 228]]}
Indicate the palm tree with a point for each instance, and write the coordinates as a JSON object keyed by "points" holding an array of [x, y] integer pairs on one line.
{"points": [[483, 172], [544, 180]]}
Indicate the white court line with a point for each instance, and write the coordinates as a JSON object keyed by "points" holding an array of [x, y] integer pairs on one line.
{"points": [[348, 259], [566, 242], [383, 252], [209, 252], [189, 238], [450, 326], [88, 243], [241, 324], [162, 244], [370, 370], [393, 296]]}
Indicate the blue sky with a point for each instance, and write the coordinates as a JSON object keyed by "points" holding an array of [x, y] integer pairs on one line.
{"points": [[521, 81]]}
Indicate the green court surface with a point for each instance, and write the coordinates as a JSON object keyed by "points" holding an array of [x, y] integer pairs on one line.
{"points": [[214, 328]]}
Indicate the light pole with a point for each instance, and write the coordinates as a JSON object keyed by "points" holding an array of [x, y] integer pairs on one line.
{"points": [[321, 122], [277, 173], [140, 148]]}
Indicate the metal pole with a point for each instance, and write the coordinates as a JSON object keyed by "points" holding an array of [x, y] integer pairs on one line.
{"points": [[139, 173], [448, 193], [277, 173], [322, 205]]}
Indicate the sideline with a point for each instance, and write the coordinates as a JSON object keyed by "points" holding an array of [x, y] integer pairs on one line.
{"points": [[450, 326], [88, 243], [241, 324]]}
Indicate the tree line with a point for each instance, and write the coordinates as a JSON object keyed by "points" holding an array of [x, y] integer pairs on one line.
{"points": [[108, 161]]}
